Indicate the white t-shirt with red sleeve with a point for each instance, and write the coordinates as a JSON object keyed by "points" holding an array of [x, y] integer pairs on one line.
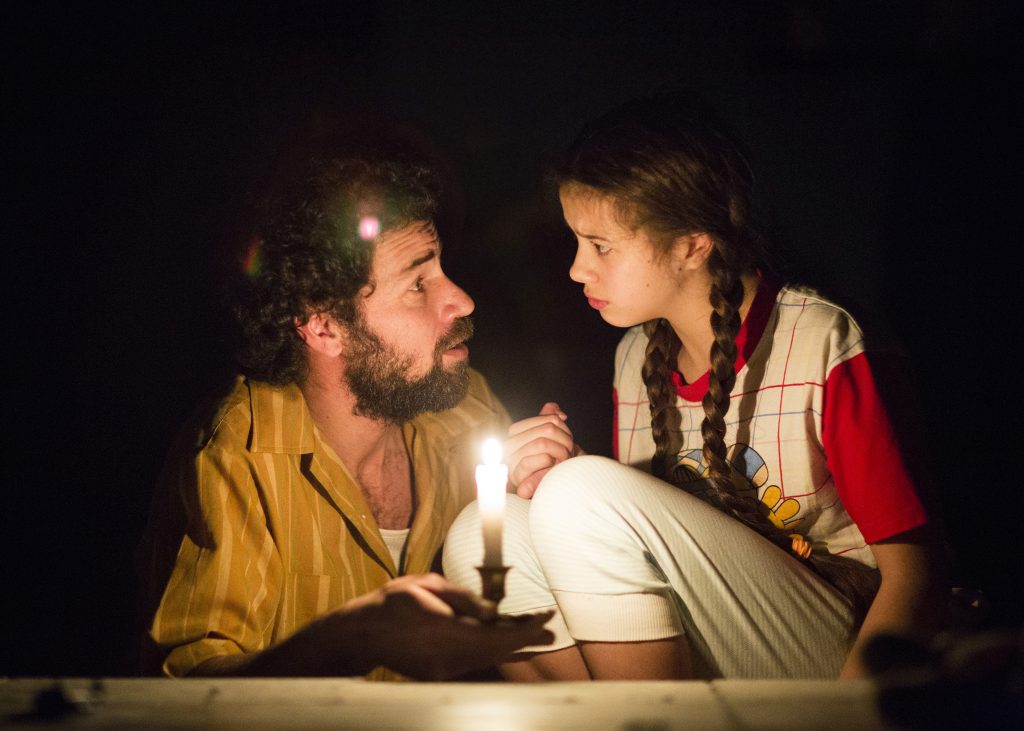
{"points": [[806, 425]]}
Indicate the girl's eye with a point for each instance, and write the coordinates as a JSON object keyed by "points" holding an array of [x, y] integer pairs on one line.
{"points": [[601, 248]]}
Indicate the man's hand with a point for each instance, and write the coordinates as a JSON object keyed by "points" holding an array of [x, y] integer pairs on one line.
{"points": [[537, 444], [421, 626], [428, 628]]}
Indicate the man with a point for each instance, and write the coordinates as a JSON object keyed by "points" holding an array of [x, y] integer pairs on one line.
{"points": [[293, 532]]}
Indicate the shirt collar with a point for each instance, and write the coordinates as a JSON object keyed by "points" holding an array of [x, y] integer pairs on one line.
{"points": [[281, 422], [747, 339]]}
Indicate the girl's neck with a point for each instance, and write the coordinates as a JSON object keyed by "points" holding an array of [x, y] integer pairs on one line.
{"points": [[691, 322]]}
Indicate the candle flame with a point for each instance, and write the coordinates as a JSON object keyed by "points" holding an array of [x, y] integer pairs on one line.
{"points": [[492, 451]]}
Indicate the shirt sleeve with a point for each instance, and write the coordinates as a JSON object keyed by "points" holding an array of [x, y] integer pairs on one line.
{"points": [[224, 586], [873, 471]]}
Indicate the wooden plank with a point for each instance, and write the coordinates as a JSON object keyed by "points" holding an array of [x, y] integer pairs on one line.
{"points": [[256, 704]]}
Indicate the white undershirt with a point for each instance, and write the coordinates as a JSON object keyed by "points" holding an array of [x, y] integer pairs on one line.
{"points": [[395, 541]]}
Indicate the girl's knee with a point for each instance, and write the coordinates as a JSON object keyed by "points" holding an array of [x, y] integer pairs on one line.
{"points": [[465, 527], [582, 480], [575, 491], [463, 547]]}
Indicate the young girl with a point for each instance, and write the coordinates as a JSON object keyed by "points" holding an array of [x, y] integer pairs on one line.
{"points": [[761, 520]]}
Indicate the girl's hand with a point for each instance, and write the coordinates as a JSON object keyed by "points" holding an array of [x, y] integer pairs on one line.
{"points": [[537, 444]]}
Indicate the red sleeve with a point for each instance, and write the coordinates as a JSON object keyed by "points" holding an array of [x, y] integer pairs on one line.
{"points": [[615, 423], [872, 473]]}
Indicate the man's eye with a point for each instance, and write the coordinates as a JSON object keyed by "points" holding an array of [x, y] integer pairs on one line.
{"points": [[417, 285]]}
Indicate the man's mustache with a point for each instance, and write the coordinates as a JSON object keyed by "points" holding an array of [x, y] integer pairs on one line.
{"points": [[462, 330]]}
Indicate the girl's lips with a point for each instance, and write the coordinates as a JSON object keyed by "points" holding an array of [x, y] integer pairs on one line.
{"points": [[596, 303]]}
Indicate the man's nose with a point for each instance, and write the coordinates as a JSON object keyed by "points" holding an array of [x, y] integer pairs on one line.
{"points": [[458, 303]]}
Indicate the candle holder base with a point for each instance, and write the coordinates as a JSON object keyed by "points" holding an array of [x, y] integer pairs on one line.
{"points": [[492, 581]]}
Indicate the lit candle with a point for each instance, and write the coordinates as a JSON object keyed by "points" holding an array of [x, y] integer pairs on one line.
{"points": [[491, 480]]}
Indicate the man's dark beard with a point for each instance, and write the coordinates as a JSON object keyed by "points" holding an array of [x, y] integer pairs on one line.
{"points": [[375, 373]]}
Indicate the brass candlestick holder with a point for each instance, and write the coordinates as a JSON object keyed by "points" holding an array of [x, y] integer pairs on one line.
{"points": [[492, 581]]}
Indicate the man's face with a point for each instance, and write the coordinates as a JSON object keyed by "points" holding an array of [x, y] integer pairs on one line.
{"points": [[407, 351]]}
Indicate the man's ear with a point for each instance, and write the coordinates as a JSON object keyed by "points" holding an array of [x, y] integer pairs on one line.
{"points": [[692, 251], [322, 334]]}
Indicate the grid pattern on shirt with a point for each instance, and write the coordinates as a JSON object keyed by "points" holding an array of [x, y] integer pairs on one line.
{"points": [[774, 423]]}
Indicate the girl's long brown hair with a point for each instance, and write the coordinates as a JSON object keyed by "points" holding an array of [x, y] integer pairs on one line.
{"points": [[673, 169]]}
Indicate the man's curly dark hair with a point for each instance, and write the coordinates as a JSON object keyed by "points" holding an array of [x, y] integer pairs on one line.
{"points": [[312, 250]]}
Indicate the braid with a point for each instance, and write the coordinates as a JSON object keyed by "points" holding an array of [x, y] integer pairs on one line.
{"points": [[854, 581], [726, 298], [662, 350]]}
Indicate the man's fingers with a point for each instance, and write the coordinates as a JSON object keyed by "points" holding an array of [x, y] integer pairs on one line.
{"points": [[458, 598], [509, 634], [436, 594], [463, 602], [426, 598], [433, 647], [539, 618]]}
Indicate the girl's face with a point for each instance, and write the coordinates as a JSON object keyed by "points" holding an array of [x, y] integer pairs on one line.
{"points": [[623, 275]]}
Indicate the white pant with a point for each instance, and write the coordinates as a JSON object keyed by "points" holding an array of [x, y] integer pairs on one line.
{"points": [[626, 557]]}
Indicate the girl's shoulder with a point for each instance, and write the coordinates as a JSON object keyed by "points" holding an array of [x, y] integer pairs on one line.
{"points": [[801, 296], [804, 308]]}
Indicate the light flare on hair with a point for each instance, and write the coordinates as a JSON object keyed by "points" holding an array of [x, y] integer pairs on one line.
{"points": [[251, 260], [369, 227]]}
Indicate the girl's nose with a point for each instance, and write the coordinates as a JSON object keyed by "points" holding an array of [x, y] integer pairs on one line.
{"points": [[579, 271]]}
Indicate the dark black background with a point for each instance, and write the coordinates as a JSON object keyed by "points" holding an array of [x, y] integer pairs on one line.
{"points": [[884, 132]]}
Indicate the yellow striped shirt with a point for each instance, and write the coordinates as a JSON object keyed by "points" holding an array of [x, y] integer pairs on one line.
{"points": [[258, 527]]}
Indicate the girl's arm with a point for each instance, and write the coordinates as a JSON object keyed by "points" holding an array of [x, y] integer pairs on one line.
{"points": [[913, 596]]}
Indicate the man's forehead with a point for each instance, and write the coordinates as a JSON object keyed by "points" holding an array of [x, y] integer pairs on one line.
{"points": [[404, 248]]}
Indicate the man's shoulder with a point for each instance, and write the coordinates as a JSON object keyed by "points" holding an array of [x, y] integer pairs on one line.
{"points": [[246, 415], [224, 417], [221, 422]]}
